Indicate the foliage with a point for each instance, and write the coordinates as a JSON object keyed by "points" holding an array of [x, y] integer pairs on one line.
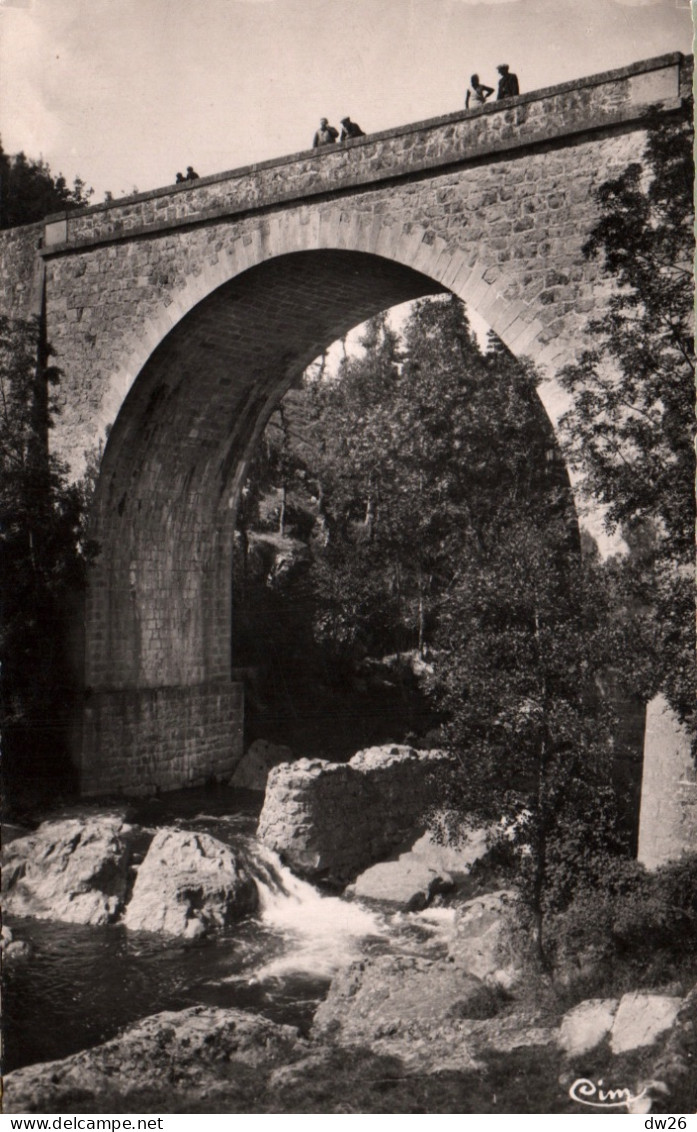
{"points": [[625, 923], [631, 430], [29, 191], [44, 554], [409, 437], [522, 642]]}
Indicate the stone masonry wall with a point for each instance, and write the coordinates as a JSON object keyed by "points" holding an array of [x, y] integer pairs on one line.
{"points": [[542, 115], [21, 271], [330, 821], [139, 741]]}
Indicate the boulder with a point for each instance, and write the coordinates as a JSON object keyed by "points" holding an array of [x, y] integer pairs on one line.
{"points": [[332, 820], [584, 1027], [479, 944], [189, 884], [641, 1019], [389, 994], [252, 771], [167, 1061], [18, 949], [406, 1006], [75, 870], [426, 870], [408, 883], [430, 1014]]}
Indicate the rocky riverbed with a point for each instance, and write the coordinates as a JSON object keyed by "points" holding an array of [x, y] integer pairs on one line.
{"points": [[260, 993]]}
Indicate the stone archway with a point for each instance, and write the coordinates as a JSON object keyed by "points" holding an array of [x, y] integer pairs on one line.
{"points": [[162, 710]]}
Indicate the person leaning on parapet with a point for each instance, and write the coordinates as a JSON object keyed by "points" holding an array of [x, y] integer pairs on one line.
{"points": [[508, 83], [477, 93], [350, 130], [191, 175], [326, 134]]}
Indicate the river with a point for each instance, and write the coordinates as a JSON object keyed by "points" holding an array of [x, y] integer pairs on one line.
{"points": [[81, 985]]}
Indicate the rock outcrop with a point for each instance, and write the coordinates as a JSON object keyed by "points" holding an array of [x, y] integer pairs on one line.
{"points": [[330, 821], [430, 1014], [401, 1006], [423, 872], [479, 944], [166, 1061], [11, 948], [585, 1026], [408, 883], [641, 1019], [189, 884], [253, 769], [637, 1019], [75, 870]]}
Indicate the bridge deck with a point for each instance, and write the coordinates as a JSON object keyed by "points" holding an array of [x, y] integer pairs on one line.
{"points": [[612, 99]]}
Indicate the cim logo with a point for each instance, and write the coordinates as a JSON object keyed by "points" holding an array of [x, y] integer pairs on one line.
{"points": [[594, 1095]]}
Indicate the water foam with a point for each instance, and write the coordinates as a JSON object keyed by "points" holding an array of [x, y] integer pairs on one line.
{"points": [[322, 932]]}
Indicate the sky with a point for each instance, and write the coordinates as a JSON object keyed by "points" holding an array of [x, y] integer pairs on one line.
{"points": [[127, 92]]}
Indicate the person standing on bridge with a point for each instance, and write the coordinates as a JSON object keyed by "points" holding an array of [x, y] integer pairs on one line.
{"points": [[350, 130], [477, 92], [326, 134], [508, 83]]}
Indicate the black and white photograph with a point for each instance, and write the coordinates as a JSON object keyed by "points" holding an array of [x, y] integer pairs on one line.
{"points": [[348, 688]]}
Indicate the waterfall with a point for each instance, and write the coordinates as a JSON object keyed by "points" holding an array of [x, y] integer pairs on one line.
{"points": [[322, 932]]}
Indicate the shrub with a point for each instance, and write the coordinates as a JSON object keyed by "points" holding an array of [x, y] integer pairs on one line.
{"points": [[629, 919]]}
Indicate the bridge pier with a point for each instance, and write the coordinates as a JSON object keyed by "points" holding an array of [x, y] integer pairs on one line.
{"points": [[144, 740], [668, 815]]}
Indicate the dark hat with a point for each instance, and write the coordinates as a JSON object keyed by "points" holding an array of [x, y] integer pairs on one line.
{"points": [[345, 120], [502, 67]]}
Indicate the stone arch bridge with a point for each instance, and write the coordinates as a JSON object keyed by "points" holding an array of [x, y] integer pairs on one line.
{"points": [[179, 317]]}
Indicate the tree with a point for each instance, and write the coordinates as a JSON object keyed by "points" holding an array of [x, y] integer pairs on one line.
{"points": [[42, 567], [29, 191], [400, 493], [631, 430], [522, 641]]}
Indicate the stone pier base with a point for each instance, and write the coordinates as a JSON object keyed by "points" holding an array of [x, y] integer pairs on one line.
{"points": [[668, 815], [141, 740]]}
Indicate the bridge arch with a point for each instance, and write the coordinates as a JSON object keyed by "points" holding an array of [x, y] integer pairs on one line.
{"points": [[474, 277], [199, 385]]}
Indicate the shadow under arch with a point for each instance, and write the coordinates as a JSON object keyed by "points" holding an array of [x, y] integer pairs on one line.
{"points": [[161, 709]]}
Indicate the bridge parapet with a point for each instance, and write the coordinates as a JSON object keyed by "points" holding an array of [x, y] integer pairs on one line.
{"points": [[611, 99]]}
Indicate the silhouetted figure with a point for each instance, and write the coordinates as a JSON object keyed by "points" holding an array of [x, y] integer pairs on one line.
{"points": [[326, 134], [350, 129], [191, 174], [508, 83], [477, 92], [180, 178]]}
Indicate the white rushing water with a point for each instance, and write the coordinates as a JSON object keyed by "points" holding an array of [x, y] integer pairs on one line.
{"points": [[322, 932]]}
